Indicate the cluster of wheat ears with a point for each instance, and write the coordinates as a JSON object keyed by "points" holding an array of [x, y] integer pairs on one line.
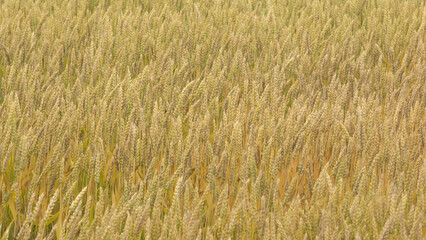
{"points": [[196, 119]]}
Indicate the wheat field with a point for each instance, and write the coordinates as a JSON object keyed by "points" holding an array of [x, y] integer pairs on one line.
{"points": [[212, 119]]}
